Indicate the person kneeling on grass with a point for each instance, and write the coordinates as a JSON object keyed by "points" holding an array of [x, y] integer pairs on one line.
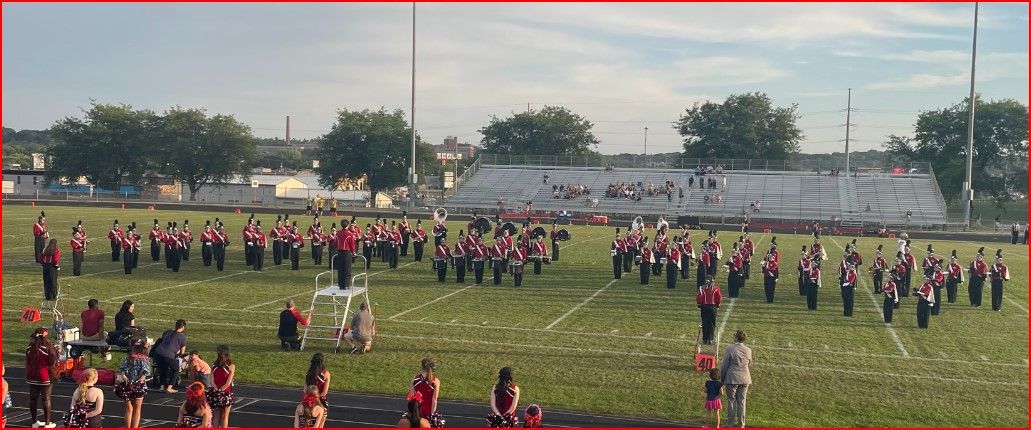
{"points": [[288, 320], [363, 328]]}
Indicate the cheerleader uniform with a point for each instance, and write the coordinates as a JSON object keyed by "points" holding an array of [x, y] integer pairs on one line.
{"points": [[134, 366], [504, 403], [190, 421], [320, 383], [426, 389], [221, 398]]}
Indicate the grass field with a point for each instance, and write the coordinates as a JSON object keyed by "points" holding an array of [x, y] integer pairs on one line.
{"points": [[576, 339]]}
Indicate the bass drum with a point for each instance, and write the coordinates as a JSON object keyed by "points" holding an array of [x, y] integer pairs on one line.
{"points": [[482, 225], [539, 232], [563, 235]]}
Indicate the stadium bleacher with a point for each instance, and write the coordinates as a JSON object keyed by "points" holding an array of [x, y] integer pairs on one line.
{"points": [[783, 195]]}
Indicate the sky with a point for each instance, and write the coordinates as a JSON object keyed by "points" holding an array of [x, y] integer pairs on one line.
{"points": [[622, 66]]}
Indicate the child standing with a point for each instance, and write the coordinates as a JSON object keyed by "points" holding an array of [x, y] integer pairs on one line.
{"points": [[713, 392]]}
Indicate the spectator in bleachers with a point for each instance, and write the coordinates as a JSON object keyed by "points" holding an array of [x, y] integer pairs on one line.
{"points": [[868, 208], [690, 182], [544, 179]]}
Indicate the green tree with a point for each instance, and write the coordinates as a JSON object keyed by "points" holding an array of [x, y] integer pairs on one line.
{"points": [[552, 130], [1000, 147], [743, 126], [110, 146], [199, 150], [372, 143]]}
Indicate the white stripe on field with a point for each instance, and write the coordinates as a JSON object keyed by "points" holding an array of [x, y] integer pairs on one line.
{"points": [[873, 300], [432, 301], [180, 285], [577, 307], [72, 278], [726, 317]]}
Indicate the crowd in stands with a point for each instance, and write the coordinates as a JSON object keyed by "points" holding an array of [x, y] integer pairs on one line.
{"points": [[569, 191]]}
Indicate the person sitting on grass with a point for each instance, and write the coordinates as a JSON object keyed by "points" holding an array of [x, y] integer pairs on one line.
{"points": [[413, 418], [363, 328], [713, 392], [288, 320]]}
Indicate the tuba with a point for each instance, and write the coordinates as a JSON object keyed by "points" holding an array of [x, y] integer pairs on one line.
{"points": [[637, 224], [440, 215], [661, 225]]}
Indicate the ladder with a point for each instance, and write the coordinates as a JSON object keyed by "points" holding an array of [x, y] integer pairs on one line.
{"points": [[330, 302]]}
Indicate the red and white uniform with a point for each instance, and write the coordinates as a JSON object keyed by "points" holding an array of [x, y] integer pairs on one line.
{"points": [[890, 289], [442, 251], [646, 255], [519, 254], [956, 272], [420, 234], [208, 236], [78, 243], [439, 229], [805, 265], [880, 264], [929, 262], [850, 279], [460, 249], [674, 256], [999, 271], [735, 263], [260, 239], [115, 234], [426, 388], [926, 292], [748, 249], [39, 230], [910, 261], [709, 295], [979, 268], [346, 241], [539, 249], [498, 251], [478, 251], [771, 268]]}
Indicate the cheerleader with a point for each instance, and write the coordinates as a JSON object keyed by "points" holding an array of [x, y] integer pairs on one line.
{"points": [[221, 395], [954, 278], [413, 418], [923, 305], [504, 401], [999, 274], [891, 297], [647, 259], [427, 386], [320, 377], [805, 265], [310, 413], [771, 271], [40, 357], [813, 289], [877, 269], [87, 402], [194, 412], [532, 416], [132, 385]]}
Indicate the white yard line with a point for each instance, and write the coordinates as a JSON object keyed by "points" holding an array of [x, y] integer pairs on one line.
{"points": [[432, 301], [873, 300], [1017, 304], [180, 285], [68, 255], [577, 307], [726, 317]]}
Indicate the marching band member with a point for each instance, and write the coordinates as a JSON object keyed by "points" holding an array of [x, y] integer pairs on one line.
{"points": [[554, 242], [924, 303], [186, 240], [901, 270], [278, 234], [509, 247], [127, 251], [539, 251], [369, 245], [50, 260], [383, 242], [805, 265], [709, 299], [347, 247], [647, 259], [524, 236], [479, 254], [704, 258], [771, 271], [296, 242], [393, 246], [930, 261], [260, 243], [673, 265], [817, 251], [848, 288], [630, 243], [747, 250], [660, 251], [115, 236], [910, 261], [356, 234], [78, 245], [40, 234], [857, 258], [954, 279], [419, 240], [248, 241], [331, 245], [498, 254], [470, 242], [998, 273], [206, 241], [773, 249], [459, 256], [734, 276], [155, 238], [686, 255], [878, 268], [439, 232], [716, 249], [891, 297], [518, 261], [405, 230], [135, 245], [978, 273], [843, 266], [440, 260], [616, 251], [937, 282], [172, 247], [315, 236], [813, 288], [218, 245], [902, 243]]}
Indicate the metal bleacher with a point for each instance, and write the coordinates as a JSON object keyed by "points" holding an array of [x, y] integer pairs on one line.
{"points": [[784, 195]]}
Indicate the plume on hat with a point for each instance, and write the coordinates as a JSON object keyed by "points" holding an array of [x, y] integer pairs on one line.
{"points": [[998, 253], [954, 254], [930, 249], [880, 247], [980, 251]]}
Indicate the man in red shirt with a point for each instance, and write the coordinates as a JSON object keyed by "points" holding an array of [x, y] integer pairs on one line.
{"points": [[346, 247], [709, 299], [92, 321], [288, 320]]}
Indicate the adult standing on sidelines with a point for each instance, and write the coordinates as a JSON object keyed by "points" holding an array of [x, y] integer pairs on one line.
{"points": [[771, 271], [115, 236], [954, 278], [346, 247], [978, 273], [999, 273], [709, 299], [736, 378], [50, 260], [78, 244], [891, 297], [40, 234]]}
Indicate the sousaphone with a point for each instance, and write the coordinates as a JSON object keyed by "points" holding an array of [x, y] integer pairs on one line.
{"points": [[440, 215], [637, 224], [538, 232], [662, 225], [511, 228], [482, 225]]}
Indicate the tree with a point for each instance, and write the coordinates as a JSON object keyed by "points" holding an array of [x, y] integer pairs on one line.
{"points": [[553, 130], [743, 126], [1000, 147], [199, 150], [111, 145], [372, 143]]}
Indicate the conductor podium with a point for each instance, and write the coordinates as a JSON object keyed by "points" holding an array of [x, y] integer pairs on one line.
{"points": [[331, 310]]}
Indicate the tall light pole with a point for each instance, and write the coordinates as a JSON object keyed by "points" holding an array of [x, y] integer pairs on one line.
{"points": [[968, 189], [848, 118], [411, 175], [646, 146]]}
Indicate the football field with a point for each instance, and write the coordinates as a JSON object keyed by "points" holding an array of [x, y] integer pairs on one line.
{"points": [[576, 338]]}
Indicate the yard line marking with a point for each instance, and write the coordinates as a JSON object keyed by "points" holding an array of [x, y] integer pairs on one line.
{"points": [[649, 334], [825, 347], [432, 301], [942, 353], [726, 317], [83, 276], [484, 323], [1017, 304], [614, 331], [577, 307], [283, 300], [983, 358], [180, 285], [873, 300], [683, 336]]}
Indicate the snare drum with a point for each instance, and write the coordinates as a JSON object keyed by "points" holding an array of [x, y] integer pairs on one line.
{"points": [[516, 267], [439, 264], [662, 260]]}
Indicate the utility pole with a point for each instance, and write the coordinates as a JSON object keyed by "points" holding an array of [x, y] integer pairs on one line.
{"points": [[646, 146], [412, 191], [848, 117], [288, 130], [968, 188]]}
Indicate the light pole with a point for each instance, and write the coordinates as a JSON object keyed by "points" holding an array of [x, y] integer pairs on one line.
{"points": [[411, 175], [968, 189], [646, 146]]}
